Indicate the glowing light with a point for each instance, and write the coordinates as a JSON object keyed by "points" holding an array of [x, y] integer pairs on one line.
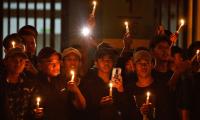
{"points": [[85, 31], [110, 91]]}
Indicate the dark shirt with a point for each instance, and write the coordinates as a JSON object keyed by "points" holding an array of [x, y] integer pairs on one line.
{"points": [[16, 99], [195, 96], [93, 90], [53, 99], [166, 106]]}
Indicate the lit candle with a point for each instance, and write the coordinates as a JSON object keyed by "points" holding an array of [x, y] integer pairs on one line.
{"points": [[110, 91], [73, 74], [94, 7], [127, 28], [182, 22], [13, 44], [147, 99], [196, 55], [38, 99]]}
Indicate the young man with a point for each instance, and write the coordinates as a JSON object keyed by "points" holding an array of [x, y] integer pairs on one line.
{"points": [[145, 82], [99, 104], [169, 105], [72, 62], [16, 89], [53, 99]]}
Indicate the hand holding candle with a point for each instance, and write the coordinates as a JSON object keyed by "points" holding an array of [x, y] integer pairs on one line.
{"points": [[127, 27], [94, 7], [111, 87]]}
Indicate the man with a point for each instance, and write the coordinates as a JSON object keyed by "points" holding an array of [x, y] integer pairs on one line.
{"points": [[54, 100], [72, 62], [169, 106], [99, 104], [16, 89]]}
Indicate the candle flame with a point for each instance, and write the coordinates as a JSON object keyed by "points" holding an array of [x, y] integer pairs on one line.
{"points": [[110, 85], [94, 3], [85, 31], [197, 52], [148, 94], [126, 23], [38, 99], [182, 22], [13, 44]]}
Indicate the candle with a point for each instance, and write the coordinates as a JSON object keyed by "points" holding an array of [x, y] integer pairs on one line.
{"points": [[182, 22], [147, 99], [196, 55], [13, 44], [94, 7], [73, 74], [110, 91], [38, 99], [126, 25]]}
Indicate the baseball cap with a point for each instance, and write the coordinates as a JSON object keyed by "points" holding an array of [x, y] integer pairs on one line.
{"points": [[142, 55], [69, 50]]}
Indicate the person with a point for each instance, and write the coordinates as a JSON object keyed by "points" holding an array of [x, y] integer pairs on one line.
{"points": [[160, 48], [29, 35], [145, 82], [50, 87], [99, 104], [72, 62], [16, 89]]}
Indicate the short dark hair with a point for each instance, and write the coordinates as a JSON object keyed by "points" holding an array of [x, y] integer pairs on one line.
{"points": [[104, 49], [158, 39], [175, 50], [28, 30], [192, 48], [47, 52], [12, 37]]}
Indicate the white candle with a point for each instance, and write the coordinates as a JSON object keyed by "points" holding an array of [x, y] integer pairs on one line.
{"points": [[73, 74], [38, 99], [126, 25], [196, 55], [182, 22], [94, 7], [147, 99], [110, 90], [13, 44]]}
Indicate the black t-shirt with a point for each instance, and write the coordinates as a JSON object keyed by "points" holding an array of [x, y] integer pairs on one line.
{"points": [[167, 104], [16, 98], [53, 98], [93, 90]]}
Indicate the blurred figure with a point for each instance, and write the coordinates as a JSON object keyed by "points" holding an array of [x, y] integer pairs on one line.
{"points": [[29, 36], [16, 89]]}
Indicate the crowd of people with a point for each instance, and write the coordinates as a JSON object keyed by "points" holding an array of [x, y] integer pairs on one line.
{"points": [[56, 86]]}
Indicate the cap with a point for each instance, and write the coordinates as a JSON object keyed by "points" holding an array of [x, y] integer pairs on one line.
{"points": [[15, 52], [142, 55], [69, 50], [47, 52]]}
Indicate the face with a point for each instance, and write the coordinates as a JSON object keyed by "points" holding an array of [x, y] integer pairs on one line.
{"points": [[178, 58], [51, 66], [161, 51], [71, 61], [143, 68], [15, 64], [104, 64], [30, 44], [129, 66]]}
